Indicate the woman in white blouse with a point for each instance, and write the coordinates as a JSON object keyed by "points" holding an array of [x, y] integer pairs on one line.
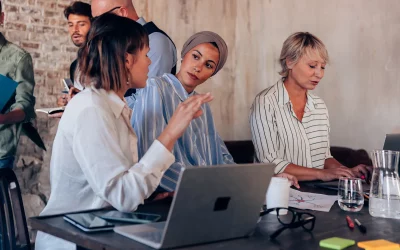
{"points": [[290, 126], [94, 160]]}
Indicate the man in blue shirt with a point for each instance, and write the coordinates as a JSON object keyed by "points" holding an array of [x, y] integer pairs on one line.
{"points": [[162, 50]]}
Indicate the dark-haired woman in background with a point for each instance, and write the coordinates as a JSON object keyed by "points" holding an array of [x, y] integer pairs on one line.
{"points": [[94, 162]]}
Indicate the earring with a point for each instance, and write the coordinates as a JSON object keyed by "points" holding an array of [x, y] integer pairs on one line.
{"points": [[127, 83]]}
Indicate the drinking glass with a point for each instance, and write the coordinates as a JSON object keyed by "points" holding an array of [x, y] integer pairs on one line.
{"points": [[350, 194]]}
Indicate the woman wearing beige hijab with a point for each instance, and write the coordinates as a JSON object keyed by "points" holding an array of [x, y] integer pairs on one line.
{"points": [[203, 55]]}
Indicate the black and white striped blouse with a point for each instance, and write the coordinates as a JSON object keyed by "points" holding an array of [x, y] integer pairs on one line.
{"points": [[279, 137]]}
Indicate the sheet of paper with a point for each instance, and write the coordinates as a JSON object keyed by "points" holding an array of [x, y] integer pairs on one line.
{"points": [[317, 202]]}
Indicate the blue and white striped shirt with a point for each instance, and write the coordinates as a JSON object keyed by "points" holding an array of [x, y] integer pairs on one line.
{"points": [[200, 145]]}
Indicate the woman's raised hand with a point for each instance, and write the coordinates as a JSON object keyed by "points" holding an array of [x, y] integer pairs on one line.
{"points": [[180, 120]]}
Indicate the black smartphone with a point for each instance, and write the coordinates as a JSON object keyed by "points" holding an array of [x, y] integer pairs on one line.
{"points": [[88, 222], [67, 84], [130, 217]]}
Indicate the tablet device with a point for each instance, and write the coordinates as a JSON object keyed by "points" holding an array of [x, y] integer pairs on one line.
{"points": [[131, 217], [88, 222]]}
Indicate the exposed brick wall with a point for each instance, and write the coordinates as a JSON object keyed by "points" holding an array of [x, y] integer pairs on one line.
{"points": [[40, 27]]}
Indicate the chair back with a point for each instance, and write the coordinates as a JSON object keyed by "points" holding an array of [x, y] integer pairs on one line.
{"points": [[241, 151], [350, 157], [14, 230]]}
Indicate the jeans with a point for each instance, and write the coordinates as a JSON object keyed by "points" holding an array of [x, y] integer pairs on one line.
{"points": [[7, 162]]}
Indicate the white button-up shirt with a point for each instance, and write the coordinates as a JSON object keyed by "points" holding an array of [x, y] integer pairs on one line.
{"points": [[278, 135], [94, 161]]}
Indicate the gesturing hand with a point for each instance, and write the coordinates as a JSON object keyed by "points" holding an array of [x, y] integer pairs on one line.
{"points": [[183, 115], [187, 111]]}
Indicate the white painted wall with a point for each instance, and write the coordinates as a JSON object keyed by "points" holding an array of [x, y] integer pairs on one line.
{"points": [[361, 85]]}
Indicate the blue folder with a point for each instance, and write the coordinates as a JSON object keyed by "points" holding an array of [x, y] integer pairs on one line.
{"points": [[7, 90]]}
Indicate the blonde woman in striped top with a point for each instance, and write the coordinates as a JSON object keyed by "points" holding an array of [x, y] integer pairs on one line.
{"points": [[290, 126]]}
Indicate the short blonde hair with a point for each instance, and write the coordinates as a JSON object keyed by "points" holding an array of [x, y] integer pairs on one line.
{"points": [[297, 45]]}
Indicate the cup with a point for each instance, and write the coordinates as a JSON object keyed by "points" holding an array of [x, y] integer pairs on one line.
{"points": [[278, 194], [350, 194]]}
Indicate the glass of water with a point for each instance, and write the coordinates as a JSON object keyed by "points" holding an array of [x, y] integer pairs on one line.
{"points": [[350, 194]]}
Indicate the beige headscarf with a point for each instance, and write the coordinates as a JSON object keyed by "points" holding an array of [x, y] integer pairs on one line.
{"points": [[207, 37]]}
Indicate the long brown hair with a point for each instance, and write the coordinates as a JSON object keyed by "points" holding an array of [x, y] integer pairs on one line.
{"points": [[102, 59]]}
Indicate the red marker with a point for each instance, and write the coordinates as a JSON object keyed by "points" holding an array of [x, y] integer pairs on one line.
{"points": [[350, 222], [363, 177]]}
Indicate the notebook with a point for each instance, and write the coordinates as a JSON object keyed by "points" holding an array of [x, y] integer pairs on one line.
{"points": [[51, 111], [378, 244], [7, 90], [336, 243]]}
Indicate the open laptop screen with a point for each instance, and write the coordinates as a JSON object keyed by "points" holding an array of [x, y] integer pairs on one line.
{"points": [[392, 142]]}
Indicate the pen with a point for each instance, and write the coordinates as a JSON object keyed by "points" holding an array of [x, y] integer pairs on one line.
{"points": [[362, 228], [64, 92], [350, 223]]}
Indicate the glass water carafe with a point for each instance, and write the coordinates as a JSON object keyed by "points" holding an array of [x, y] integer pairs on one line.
{"points": [[384, 198]]}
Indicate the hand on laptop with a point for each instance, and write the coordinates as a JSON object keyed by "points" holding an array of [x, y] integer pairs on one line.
{"points": [[291, 178], [362, 171], [329, 174]]}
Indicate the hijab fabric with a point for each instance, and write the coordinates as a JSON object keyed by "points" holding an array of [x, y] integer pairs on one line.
{"points": [[207, 37]]}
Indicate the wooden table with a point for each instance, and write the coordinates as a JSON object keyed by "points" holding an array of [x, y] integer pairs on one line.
{"points": [[327, 225]]}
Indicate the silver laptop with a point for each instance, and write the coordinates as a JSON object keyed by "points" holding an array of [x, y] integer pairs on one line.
{"points": [[210, 204]]}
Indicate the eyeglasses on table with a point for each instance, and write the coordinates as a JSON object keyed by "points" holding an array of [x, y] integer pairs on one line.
{"points": [[290, 218]]}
